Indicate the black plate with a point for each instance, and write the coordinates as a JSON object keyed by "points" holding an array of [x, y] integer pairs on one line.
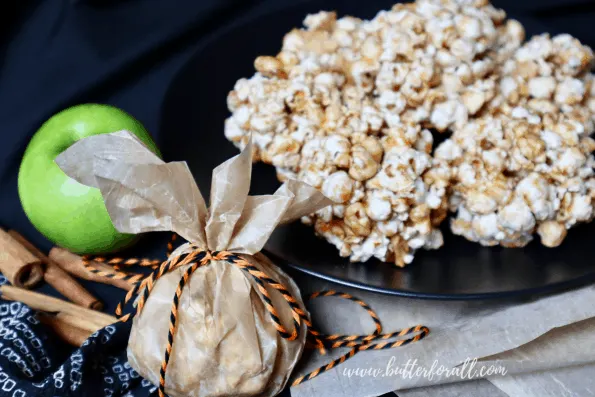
{"points": [[194, 112]]}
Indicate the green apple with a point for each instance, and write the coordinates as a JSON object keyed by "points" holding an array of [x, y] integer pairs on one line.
{"points": [[68, 213]]}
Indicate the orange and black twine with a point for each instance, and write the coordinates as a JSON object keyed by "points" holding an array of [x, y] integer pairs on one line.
{"points": [[142, 287]]}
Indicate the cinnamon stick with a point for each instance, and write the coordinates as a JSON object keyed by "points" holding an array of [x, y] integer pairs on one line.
{"points": [[18, 265], [73, 264], [86, 318], [65, 331], [80, 323], [58, 278]]}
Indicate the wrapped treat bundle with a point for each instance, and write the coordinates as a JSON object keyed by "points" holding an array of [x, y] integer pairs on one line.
{"points": [[228, 332]]}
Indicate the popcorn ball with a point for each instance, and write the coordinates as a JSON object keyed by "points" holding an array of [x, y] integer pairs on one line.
{"points": [[347, 105], [525, 165]]}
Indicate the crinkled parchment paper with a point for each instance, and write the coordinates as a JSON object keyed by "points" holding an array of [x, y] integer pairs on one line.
{"points": [[225, 343], [528, 338]]}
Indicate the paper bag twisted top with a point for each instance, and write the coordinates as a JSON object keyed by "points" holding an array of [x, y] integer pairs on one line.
{"points": [[143, 193]]}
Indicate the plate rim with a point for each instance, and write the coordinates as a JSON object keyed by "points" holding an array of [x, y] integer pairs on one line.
{"points": [[584, 280]]}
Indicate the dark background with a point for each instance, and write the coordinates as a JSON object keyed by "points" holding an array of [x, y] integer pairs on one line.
{"points": [[128, 53]]}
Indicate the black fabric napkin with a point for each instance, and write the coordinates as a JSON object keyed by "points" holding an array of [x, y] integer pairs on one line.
{"points": [[34, 362]]}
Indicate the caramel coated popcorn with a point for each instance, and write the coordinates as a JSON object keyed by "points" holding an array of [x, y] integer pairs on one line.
{"points": [[348, 106], [525, 166]]}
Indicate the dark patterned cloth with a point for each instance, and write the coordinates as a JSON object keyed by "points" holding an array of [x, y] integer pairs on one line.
{"points": [[34, 362]]}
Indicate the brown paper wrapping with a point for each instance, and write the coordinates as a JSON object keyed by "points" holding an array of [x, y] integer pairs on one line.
{"points": [[18, 265], [224, 334], [225, 343]]}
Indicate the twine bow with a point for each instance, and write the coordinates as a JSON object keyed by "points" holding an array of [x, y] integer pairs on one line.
{"points": [[142, 287]]}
